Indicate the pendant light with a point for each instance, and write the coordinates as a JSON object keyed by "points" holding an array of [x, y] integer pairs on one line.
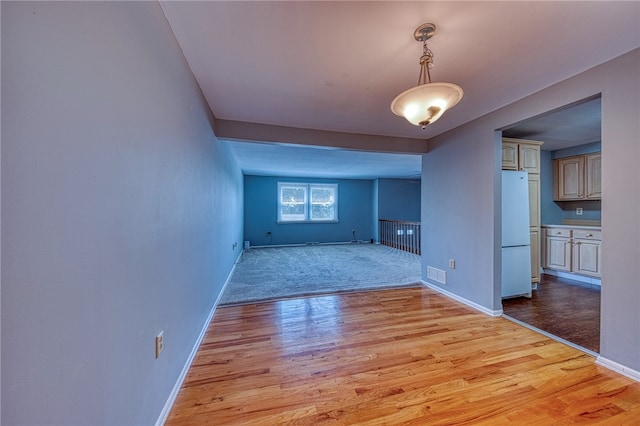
{"points": [[425, 103]]}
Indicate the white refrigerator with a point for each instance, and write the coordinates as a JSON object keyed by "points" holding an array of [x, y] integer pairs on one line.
{"points": [[516, 237]]}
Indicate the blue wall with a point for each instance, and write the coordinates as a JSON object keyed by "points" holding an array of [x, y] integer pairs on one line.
{"points": [[553, 212], [550, 212], [399, 199], [120, 211], [355, 198], [461, 217], [587, 148]]}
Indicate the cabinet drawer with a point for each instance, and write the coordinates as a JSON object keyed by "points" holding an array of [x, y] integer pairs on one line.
{"points": [[558, 232], [587, 234]]}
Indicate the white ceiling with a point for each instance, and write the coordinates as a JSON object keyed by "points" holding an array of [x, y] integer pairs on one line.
{"points": [[575, 125], [337, 65]]}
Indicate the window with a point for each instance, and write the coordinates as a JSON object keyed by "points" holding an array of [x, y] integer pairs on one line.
{"points": [[307, 202]]}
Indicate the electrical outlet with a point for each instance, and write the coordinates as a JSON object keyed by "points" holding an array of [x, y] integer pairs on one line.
{"points": [[579, 211], [159, 343], [452, 264]]}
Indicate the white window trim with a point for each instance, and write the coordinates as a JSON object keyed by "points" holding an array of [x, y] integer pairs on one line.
{"points": [[307, 201]]}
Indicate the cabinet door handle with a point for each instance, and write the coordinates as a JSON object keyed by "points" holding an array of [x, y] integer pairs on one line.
{"points": [[589, 235], [559, 232]]}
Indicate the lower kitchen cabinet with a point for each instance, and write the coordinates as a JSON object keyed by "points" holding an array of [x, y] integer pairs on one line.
{"points": [[573, 250], [587, 252], [558, 249]]}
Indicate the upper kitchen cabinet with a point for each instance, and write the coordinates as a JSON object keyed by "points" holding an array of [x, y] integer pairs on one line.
{"points": [[521, 154], [594, 176], [572, 175], [568, 178], [509, 155], [529, 157]]}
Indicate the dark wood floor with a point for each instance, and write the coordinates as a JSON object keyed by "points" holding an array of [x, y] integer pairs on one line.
{"points": [[565, 308]]}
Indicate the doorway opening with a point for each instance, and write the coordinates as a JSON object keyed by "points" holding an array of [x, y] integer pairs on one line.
{"points": [[566, 303]]}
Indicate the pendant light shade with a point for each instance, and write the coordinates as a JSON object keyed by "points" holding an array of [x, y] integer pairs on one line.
{"points": [[426, 102]]}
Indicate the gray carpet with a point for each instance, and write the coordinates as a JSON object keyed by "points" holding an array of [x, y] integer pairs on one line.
{"points": [[282, 272]]}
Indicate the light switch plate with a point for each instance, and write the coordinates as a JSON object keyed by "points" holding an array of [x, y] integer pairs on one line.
{"points": [[159, 343]]}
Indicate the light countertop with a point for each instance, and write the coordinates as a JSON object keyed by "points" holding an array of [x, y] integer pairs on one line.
{"points": [[572, 226]]}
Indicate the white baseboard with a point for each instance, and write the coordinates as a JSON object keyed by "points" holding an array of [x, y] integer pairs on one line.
{"points": [[164, 414], [335, 243], [467, 302], [575, 277], [618, 368]]}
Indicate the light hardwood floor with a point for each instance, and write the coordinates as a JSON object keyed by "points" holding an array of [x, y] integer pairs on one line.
{"points": [[403, 356]]}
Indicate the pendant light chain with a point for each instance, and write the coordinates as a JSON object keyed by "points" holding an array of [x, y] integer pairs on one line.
{"points": [[426, 62]]}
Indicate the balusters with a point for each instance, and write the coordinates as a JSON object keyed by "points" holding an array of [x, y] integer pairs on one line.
{"points": [[402, 235]]}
